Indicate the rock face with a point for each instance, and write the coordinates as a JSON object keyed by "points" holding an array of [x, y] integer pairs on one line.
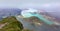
{"points": [[10, 24]]}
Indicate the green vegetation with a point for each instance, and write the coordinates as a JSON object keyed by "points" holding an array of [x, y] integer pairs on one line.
{"points": [[10, 24]]}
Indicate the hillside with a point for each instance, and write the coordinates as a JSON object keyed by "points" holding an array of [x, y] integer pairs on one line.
{"points": [[10, 24]]}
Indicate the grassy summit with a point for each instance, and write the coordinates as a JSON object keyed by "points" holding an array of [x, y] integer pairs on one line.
{"points": [[10, 24]]}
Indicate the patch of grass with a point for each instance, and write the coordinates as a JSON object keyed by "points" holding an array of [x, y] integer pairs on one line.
{"points": [[12, 24]]}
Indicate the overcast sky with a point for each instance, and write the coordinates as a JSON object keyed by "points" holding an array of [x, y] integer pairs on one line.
{"points": [[27, 3], [48, 5]]}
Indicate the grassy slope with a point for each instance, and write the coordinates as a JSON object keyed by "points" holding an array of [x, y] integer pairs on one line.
{"points": [[12, 24]]}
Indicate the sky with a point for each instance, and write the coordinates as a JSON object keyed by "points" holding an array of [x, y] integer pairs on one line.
{"points": [[39, 4], [27, 3], [47, 5]]}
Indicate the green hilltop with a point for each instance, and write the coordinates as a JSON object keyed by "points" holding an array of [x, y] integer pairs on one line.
{"points": [[10, 24]]}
